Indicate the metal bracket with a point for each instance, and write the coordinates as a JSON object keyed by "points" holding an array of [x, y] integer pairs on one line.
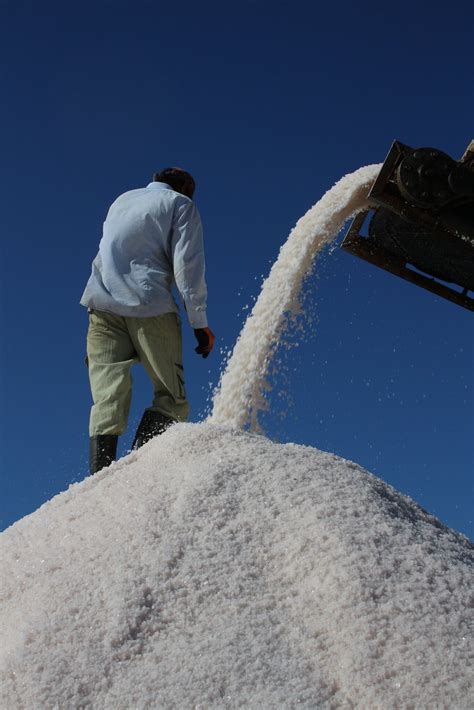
{"points": [[367, 249]]}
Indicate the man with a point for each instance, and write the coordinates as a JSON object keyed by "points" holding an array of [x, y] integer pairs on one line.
{"points": [[152, 239]]}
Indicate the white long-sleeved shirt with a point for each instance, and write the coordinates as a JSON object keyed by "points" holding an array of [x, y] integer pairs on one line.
{"points": [[152, 238]]}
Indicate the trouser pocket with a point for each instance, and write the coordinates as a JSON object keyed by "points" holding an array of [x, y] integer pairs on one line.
{"points": [[181, 390]]}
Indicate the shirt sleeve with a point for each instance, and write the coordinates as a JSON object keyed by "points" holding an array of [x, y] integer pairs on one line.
{"points": [[187, 251]]}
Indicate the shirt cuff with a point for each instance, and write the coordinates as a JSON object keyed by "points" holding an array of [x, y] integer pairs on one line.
{"points": [[197, 319]]}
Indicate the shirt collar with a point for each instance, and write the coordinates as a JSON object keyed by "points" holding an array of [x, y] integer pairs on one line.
{"points": [[159, 185]]}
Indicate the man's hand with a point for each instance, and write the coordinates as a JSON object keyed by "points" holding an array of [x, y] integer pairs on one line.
{"points": [[205, 338]]}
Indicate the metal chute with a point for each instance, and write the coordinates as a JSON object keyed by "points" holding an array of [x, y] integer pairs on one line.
{"points": [[421, 225]]}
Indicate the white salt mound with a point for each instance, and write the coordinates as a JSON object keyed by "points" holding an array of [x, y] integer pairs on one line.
{"points": [[216, 569]]}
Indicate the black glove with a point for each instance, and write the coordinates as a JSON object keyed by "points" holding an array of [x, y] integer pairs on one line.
{"points": [[203, 342]]}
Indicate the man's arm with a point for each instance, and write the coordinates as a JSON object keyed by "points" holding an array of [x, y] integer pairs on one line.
{"points": [[187, 251]]}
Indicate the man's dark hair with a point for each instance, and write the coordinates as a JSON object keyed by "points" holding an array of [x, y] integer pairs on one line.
{"points": [[178, 179]]}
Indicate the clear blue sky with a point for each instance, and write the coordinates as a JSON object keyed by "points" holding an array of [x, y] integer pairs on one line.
{"points": [[267, 104]]}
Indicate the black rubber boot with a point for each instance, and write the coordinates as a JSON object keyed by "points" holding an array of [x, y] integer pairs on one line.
{"points": [[102, 451], [152, 424]]}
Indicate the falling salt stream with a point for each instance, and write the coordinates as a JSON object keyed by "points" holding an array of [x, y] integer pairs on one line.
{"points": [[239, 396]]}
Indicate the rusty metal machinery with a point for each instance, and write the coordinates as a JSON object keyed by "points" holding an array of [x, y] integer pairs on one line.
{"points": [[421, 223]]}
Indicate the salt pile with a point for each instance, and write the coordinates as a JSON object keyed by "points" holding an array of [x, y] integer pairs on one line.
{"points": [[216, 569], [240, 394]]}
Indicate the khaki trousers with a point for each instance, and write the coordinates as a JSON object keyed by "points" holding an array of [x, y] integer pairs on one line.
{"points": [[114, 344]]}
